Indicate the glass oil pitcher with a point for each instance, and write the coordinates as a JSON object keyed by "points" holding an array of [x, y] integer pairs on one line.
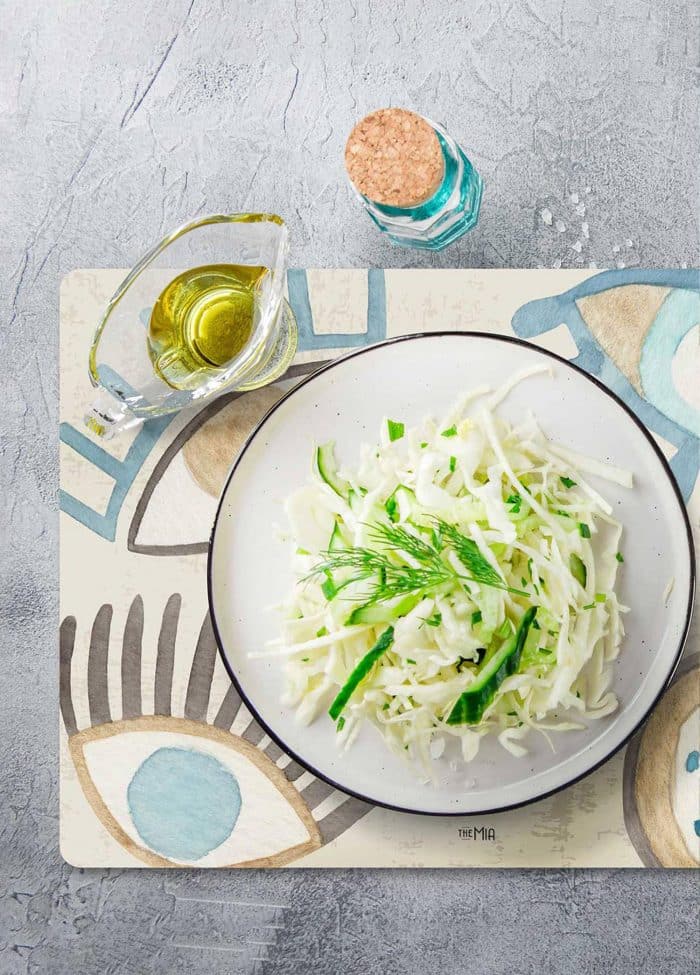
{"points": [[202, 313]]}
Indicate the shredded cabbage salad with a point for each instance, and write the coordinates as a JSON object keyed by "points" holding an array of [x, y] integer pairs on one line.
{"points": [[458, 582]]}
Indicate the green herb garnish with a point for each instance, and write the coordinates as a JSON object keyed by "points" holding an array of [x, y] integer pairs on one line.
{"points": [[453, 464], [468, 553], [329, 588], [515, 501], [567, 482], [396, 429], [476, 617], [583, 530], [387, 578], [619, 556], [450, 432], [322, 632]]}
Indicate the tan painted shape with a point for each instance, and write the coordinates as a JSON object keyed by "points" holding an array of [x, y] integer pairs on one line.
{"points": [[77, 743], [209, 453], [655, 771], [620, 318]]}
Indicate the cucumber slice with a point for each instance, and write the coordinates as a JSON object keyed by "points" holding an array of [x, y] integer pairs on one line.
{"points": [[384, 612], [328, 469], [472, 703], [578, 569], [355, 500], [400, 504], [337, 539], [361, 670]]}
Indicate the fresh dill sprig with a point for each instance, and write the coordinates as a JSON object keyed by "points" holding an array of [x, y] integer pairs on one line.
{"points": [[468, 553], [388, 573]]}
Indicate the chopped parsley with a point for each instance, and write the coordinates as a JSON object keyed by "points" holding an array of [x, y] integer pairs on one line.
{"points": [[450, 432], [567, 482], [515, 501], [396, 429], [392, 508], [583, 530]]}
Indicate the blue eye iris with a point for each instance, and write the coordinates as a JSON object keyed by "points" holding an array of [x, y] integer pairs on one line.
{"points": [[183, 803]]}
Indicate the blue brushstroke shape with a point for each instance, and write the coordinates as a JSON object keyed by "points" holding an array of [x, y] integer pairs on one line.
{"points": [[679, 313], [183, 803], [692, 762], [544, 314], [122, 471], [298, 291]]}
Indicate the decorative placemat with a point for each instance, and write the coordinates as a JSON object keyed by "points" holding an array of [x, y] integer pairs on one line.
{"points": [[161, 764]]}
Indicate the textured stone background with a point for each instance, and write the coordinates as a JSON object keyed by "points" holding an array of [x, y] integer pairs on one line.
{"points": [[119, 120]]}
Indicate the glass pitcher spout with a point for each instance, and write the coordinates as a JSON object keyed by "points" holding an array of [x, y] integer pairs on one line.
{"points": [[108, 417]]}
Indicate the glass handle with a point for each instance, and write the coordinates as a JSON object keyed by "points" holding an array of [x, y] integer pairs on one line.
{"points": [[107, 417]]}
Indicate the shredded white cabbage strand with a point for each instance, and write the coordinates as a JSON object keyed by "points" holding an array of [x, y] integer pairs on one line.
{"points": [[539, 525]]}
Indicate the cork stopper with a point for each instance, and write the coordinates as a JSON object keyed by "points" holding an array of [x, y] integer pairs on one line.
{"points": [[393, 157]]}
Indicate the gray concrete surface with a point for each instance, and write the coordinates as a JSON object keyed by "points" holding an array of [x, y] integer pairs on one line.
{"points": [[117, 121]]}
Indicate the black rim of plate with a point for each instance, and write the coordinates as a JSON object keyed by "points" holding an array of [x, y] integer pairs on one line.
{"points": [[418, 336]]}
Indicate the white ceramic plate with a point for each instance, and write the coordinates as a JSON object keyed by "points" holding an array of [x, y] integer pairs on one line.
{"points": [[409, 378]]}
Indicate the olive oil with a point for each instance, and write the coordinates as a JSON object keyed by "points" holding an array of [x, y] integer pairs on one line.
{"points": [[202, 320]]}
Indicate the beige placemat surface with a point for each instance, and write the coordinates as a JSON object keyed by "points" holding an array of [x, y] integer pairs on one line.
{"points": [[145, 699]]}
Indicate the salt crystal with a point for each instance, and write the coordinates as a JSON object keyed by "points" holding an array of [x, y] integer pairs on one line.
{"points": [[546, 216], [628, 243], [587, 190], [581, 209], [574, 197], [576, 247], [561, 226], [619, 264], [584, 229], [616, 249]]}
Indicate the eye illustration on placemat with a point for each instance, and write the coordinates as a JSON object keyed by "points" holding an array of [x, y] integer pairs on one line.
{"points": [[661, 782], [183, 789], [639, 332]]}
